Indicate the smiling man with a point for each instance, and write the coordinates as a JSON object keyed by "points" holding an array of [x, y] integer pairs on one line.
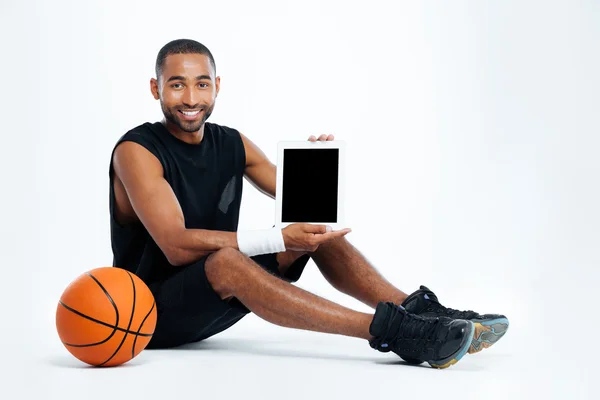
{"points": [[175, 194]]}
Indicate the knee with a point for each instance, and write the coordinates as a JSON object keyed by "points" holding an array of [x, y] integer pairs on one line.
{"points": [[225, 256], [336, 244], [222, 269]]}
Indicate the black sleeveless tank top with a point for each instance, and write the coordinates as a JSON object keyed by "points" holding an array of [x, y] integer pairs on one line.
{"points": [[207, 179]]}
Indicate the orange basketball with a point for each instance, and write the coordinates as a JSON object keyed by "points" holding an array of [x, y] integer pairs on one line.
{"points": [[106, 316]]}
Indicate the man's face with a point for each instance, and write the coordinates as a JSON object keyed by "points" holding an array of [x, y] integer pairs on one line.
{"points": [[187, 89]]}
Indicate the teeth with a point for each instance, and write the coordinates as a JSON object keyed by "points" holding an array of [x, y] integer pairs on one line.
{"points": [[190, 113]]}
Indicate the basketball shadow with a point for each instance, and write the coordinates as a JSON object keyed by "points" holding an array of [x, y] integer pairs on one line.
{"points": [[72, 362]]}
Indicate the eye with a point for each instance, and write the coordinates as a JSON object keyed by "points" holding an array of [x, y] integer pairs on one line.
{"points": [[203, 85], [175, 84]]}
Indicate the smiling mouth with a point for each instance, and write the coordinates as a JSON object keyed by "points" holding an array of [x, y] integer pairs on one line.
{"points": [[191, 113]]}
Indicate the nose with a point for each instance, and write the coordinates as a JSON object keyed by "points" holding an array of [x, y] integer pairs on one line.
{"points": [[190, 97]]}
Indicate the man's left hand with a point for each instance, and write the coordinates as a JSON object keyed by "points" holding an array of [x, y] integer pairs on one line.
{"points": [[322, 138]]}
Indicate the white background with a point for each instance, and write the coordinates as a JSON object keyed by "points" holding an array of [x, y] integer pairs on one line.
{"points": [[473, 168]]}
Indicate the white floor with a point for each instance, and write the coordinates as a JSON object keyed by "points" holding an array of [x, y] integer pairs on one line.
{"points": [[256, 360], [549, 352]]}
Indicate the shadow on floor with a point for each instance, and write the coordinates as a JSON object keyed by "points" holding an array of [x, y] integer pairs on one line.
{"points": [[71, 362], [265, 348]]}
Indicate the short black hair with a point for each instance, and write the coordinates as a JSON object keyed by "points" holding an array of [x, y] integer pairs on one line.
{"points": [[181, 46]]}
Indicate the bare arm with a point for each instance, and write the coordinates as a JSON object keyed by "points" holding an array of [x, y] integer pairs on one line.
{"points": [[261, 172], [159, 211]]}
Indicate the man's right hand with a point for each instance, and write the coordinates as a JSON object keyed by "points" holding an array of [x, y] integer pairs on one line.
{"points": [[308, 237]]}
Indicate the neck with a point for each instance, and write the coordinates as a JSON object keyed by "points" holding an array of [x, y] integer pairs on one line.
{"points": [[187, 137]]}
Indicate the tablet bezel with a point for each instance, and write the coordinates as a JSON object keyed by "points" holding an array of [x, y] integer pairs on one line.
{"points": [[333, 144]]}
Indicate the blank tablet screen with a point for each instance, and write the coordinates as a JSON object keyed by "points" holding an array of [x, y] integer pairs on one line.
{"points": [[310, 185]]}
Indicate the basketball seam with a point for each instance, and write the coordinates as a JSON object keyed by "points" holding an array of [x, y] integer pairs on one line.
{"points": [[128, 326], [114, 306], [101, 323], [85, 316], [141, 324]]}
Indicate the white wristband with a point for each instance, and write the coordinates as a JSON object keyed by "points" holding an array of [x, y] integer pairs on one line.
{"points": [[264, 241]]}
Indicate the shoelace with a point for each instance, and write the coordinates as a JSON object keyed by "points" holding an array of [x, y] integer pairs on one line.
{"points": [[468, 314], [420, 330]]}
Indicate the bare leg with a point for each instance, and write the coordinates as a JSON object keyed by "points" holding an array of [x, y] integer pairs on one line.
{"points": [[349, 271], [232, 274]]}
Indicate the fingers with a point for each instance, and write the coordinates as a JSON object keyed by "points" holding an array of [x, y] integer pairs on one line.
{"points": [[322, 138], [322, 229], [325, 237], [315, 228]]}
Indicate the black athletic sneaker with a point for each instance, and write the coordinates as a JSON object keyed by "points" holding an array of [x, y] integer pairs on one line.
{"points": [[440, 341], [489, 328]]}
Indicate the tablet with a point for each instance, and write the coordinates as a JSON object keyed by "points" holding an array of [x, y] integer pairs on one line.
{"points": [[310, 183]]}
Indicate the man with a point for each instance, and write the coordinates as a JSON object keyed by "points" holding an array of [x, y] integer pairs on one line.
{"points": [[175, 193]]}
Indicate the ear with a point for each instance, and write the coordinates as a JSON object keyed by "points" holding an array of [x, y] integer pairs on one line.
{"points": [[217, 85], [154, 88]]}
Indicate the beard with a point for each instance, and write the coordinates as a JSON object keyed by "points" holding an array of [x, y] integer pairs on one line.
{"points": [[174, 116]]}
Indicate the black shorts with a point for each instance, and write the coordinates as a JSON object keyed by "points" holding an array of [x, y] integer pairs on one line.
{"points": [[189, 310]]}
